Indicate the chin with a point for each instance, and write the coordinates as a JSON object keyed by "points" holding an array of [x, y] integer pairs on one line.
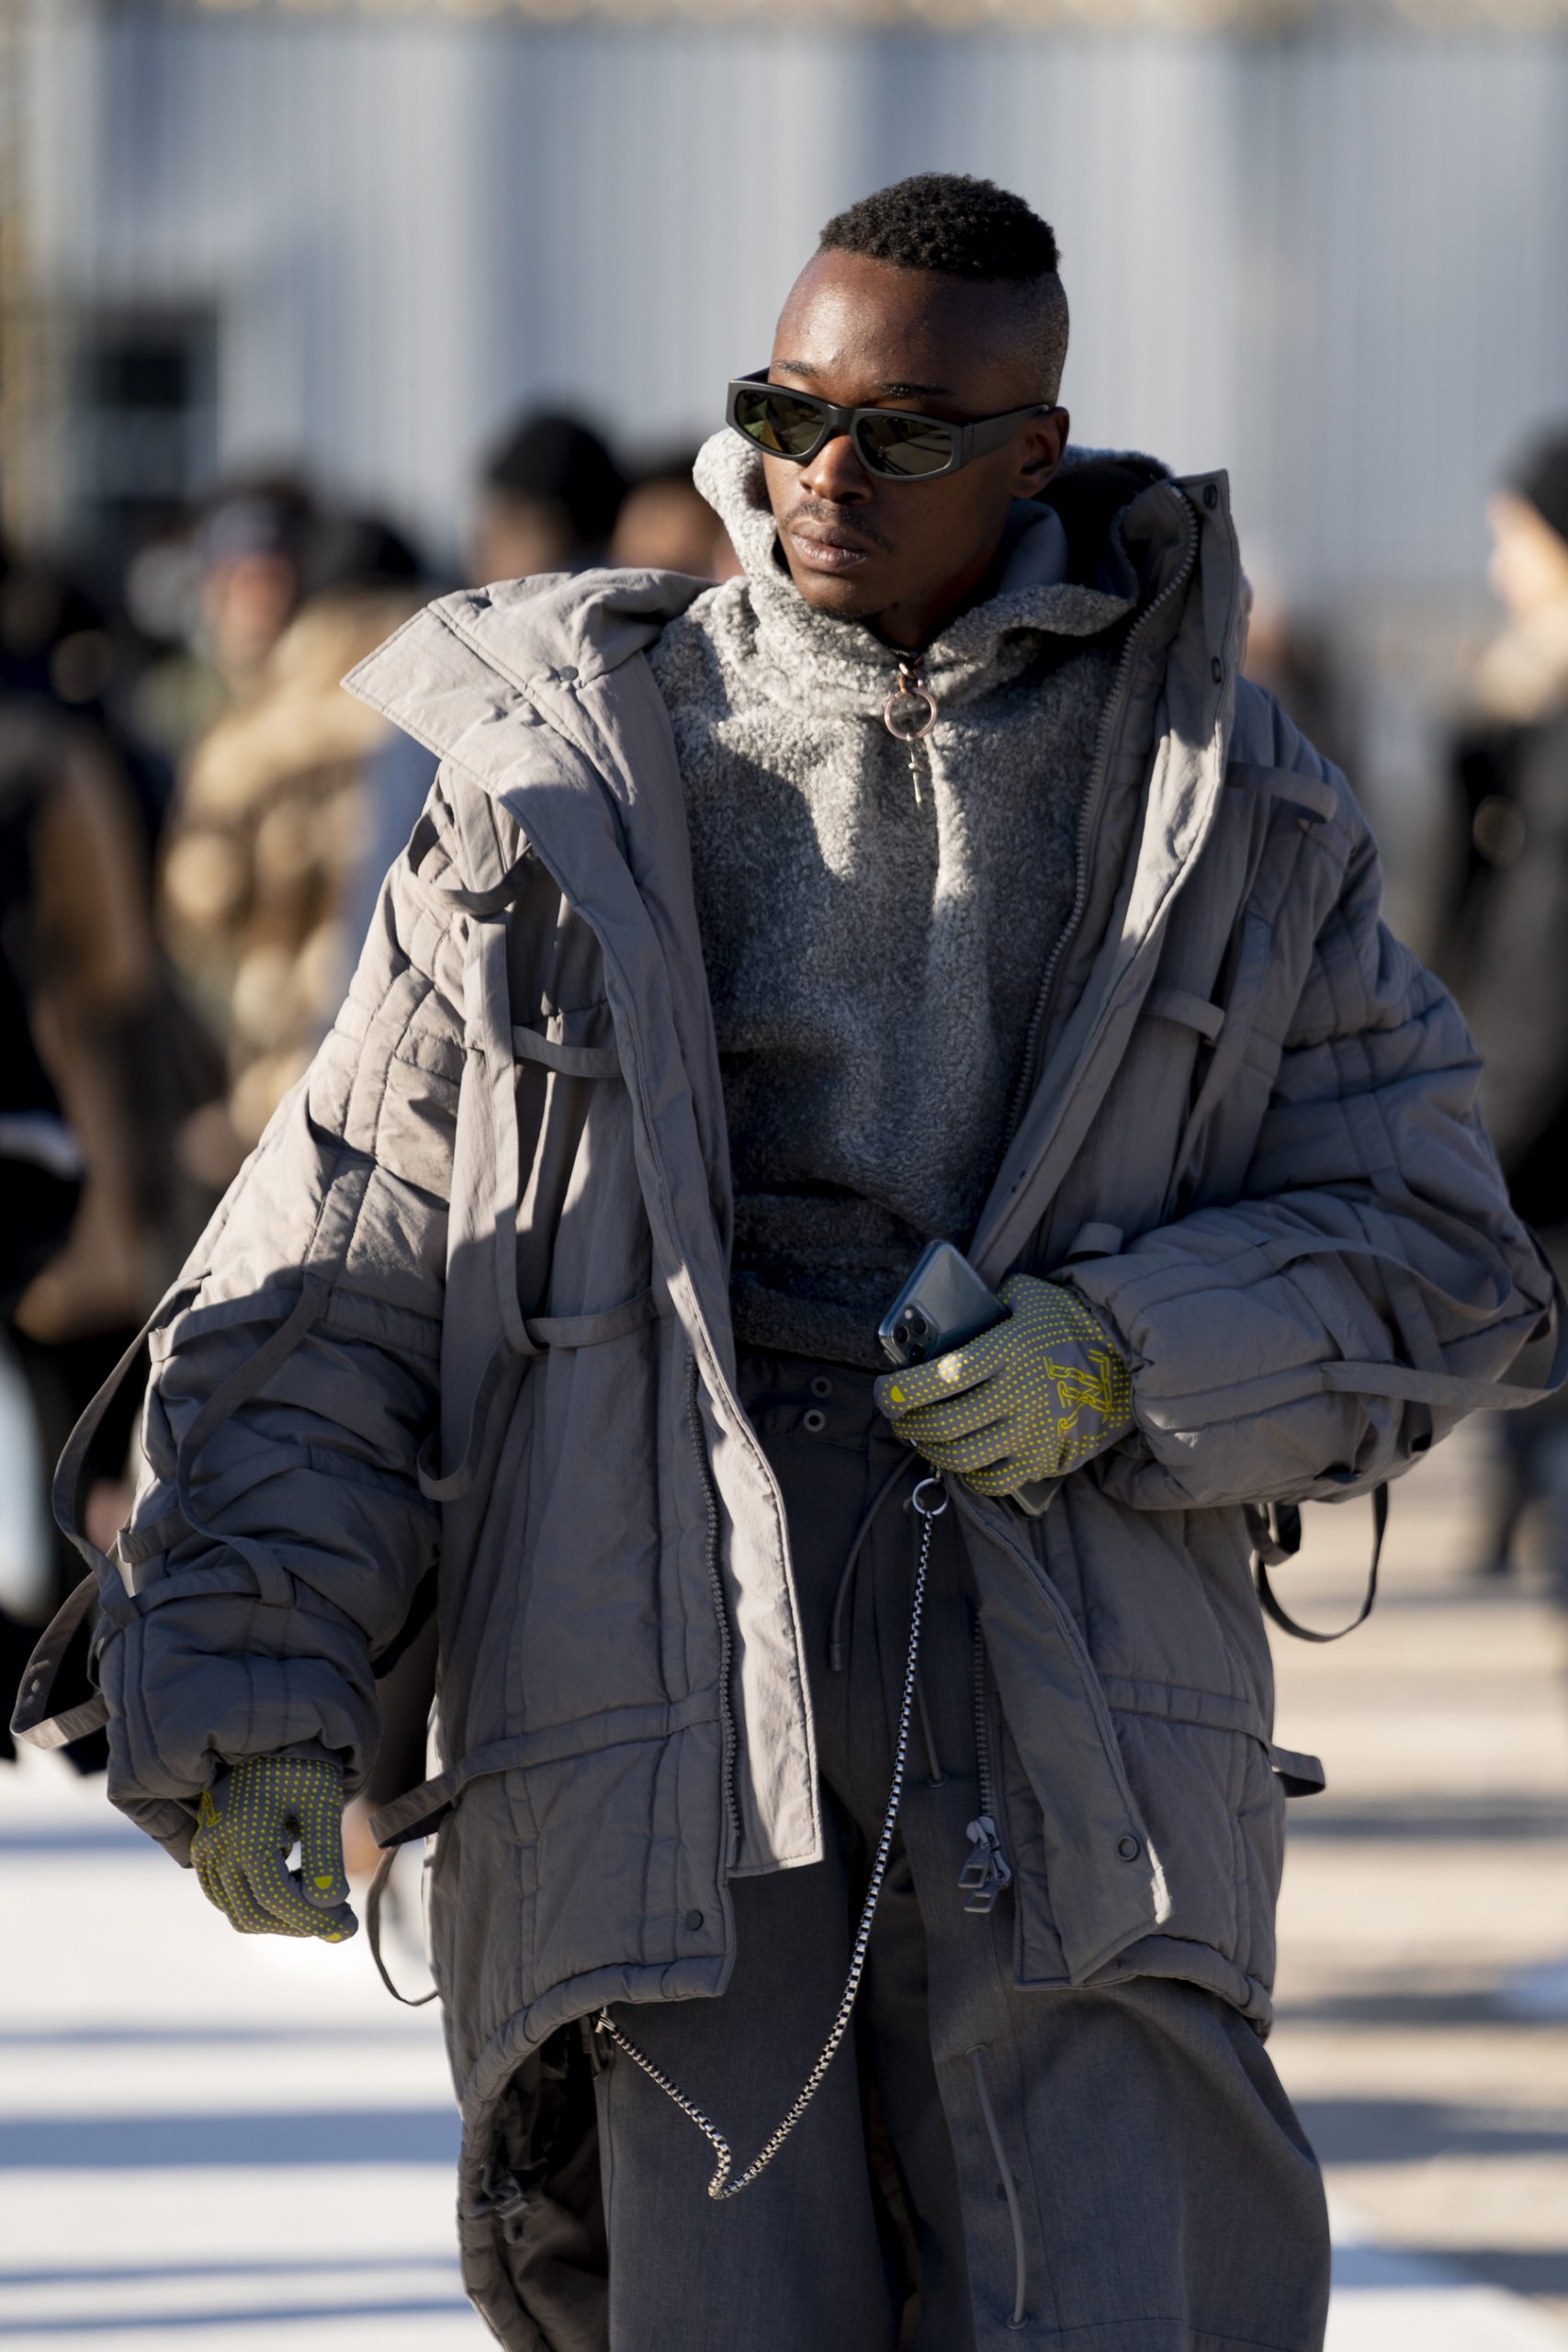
{"points": [[846, 600]]}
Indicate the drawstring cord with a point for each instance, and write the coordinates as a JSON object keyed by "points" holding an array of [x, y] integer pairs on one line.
{"points": [[928, 1732], [851, 1562], [721, 2187], [935, 1775], [1010, 2190]]}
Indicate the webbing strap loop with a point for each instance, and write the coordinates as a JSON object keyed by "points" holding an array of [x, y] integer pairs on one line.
{"points": [[68, 1494], [1285, 1542], [374, 1893], [31, 1722], [274, 1584]]}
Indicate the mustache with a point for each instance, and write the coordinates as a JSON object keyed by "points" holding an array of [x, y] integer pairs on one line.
{"points": [[839, 518]]}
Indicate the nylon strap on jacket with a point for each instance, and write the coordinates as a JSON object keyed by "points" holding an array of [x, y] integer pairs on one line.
{"points": [[376, 1889], [1287, 1542]]}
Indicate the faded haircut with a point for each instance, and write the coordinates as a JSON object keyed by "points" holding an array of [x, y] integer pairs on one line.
{"points": [[955, 226]]}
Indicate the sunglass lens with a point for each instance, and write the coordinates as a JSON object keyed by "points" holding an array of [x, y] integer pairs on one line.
{"points": [[904, 446], [778, 422]]}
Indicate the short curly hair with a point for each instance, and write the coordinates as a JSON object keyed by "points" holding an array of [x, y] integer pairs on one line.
{"points": [[956, 226], [948, 223]]}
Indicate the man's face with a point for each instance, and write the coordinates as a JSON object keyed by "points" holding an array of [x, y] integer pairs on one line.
{"points": [[902, 556]]}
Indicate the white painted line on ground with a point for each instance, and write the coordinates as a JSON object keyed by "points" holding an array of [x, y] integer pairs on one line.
{"points": [[1393, 2301]]}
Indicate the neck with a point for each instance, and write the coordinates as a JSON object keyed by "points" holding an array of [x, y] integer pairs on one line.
{"points": [[909, 627]]}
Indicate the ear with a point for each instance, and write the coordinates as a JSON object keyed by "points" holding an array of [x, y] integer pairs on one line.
{"points": [[1040, 452]]}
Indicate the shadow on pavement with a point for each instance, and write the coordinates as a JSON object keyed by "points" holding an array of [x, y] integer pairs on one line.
{"points": [[1419, 1819], [1411, 2132]]}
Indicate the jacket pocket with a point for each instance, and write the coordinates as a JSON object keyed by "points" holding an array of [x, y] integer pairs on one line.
{"points": [[1212, 1803]]}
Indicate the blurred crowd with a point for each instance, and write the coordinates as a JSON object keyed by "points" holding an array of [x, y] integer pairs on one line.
{"points": [[195, 822]]}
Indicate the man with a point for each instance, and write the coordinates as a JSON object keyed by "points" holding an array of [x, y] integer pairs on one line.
{"points": [[937, 877], [1510, 768], [550, 493]]}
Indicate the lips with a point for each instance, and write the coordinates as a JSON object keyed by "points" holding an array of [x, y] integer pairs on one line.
{"points": [[824, 548]]}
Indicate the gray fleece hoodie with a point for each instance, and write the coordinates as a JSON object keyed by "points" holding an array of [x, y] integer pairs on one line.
{"points": [[875, 939]]}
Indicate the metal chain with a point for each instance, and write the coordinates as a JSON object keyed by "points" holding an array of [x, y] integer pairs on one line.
{"points": [[721, 2187]]}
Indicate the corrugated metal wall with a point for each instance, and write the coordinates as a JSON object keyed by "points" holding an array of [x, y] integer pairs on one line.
{"points": [[1335, 261]]}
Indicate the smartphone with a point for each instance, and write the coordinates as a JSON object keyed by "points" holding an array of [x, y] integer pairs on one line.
{"points": [[943, 1304]]}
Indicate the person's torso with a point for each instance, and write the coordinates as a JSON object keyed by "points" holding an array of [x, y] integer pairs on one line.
{"points": [[876, 921]]}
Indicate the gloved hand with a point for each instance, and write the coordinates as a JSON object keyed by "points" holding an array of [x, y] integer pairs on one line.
{"points": [[1029, 1398], [248, 1822]]}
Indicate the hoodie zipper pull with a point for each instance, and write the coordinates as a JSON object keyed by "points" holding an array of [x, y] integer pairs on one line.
{"points": [[987, 1871], [909, 713]]}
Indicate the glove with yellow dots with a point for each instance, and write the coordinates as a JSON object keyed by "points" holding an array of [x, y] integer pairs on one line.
{"points": [[248, 1822], [1029, 1398]]}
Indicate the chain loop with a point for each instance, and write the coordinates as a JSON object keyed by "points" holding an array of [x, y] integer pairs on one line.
{"points": [[721, 2187]]}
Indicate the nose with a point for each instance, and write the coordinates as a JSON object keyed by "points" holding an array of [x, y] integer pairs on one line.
{"points": [[836, 474]]}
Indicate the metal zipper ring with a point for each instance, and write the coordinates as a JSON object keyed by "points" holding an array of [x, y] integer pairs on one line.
{"points": [[907, 727], [930, 1510]]}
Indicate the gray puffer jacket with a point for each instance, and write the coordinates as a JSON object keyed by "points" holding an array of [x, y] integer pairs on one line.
{"points": [[467, 1304]]}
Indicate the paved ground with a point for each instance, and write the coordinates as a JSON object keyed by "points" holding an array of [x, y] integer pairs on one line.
{"points": [[233, 2146], [1424, 1977]]}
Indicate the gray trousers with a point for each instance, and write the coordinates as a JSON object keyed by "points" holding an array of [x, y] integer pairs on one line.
{"points": [[1114, 2171]]}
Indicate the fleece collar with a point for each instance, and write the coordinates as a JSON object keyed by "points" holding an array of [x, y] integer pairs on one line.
{"points": [[812, 661], [550, 636]]}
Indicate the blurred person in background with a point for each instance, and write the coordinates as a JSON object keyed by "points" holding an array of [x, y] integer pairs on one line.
{"points": [[66, 648], [1507, 953], [549, 494], [123, 1053], [218, 593], [935, 879], [1290, 658], [40, 1187], [268, 871], [666, 525], [252, 550]]}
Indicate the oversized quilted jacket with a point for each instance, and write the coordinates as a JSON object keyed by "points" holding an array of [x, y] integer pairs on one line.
{"points": [[467, 1306]]}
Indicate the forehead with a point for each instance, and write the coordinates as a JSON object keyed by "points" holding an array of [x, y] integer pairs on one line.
{"points": [[856, 327]]}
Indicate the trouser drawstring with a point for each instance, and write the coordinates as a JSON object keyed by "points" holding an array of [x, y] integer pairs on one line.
{"points": [[935, 1775], [1010, 2190], [928, 1732], [853, 1559]]}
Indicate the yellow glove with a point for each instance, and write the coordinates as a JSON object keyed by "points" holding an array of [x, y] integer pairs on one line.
{"points": [[1029, 1398], [249, 1821]]}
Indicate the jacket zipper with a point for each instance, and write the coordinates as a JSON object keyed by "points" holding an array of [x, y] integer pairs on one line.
{"points": [[721, 1611], [1088, 824], [911, 729], [987, 1869]]}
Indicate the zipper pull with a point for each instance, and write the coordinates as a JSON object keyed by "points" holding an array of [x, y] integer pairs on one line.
{"points": [[987, 1871], [909, 713]]}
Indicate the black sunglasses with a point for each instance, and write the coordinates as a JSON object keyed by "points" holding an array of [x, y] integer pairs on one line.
{"points": [[888, 441]]}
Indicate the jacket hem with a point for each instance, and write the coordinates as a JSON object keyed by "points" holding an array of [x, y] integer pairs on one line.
{"points": [[486, 2277]]}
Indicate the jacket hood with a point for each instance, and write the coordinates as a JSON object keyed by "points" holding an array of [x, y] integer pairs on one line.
{"points": [[1066, 573]]}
